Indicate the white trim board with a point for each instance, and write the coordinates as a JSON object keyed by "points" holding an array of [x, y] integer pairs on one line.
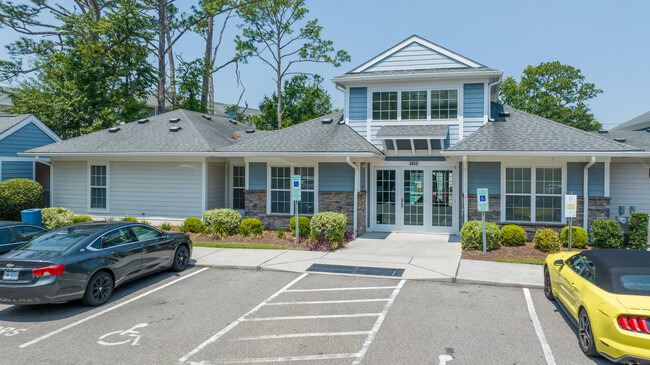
{"points": [[30, 119]]}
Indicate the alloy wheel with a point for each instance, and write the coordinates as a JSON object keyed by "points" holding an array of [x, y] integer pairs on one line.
{"points": [[101, 288], [182, 257], [584, 331]]}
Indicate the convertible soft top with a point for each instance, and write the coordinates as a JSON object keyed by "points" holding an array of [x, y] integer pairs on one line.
{"points": [[612, 264]]}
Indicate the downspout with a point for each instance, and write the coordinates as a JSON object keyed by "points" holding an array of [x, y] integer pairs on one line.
{"points": [[465, 187], [585, 192], [356, 193]]}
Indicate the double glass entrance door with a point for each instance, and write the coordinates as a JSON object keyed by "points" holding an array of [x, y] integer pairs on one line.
{"points": [[415, 199]]}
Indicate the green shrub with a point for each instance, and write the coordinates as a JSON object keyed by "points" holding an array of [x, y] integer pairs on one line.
{"points": [[81, 219], [253, 225], [579, 237], [606, 233], [512, 235], [244, 231], [144, 221], [17, 195], [471, 235], [56, 217], [330, 225], [192, 224], [280, 233], [130, 219], [304, 226], [165, 226], [547, 240], [222, 222], [639, 231]]}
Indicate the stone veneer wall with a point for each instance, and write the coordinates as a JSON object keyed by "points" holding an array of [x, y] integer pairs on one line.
{"points": [[598, 208], [340, 202]]}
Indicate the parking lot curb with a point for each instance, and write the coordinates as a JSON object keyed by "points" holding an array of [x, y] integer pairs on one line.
{"points": [[499, 283]]}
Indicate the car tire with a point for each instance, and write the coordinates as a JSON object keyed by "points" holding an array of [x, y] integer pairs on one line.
{"points": [[181, 258], [548, 286], [586, 337], [99, 289]]}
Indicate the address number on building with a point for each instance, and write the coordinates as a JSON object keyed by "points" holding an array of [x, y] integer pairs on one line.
{"points": [[413, 163]]}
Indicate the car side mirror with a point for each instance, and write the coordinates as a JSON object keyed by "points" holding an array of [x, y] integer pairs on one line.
{"points": [[558, 263]]}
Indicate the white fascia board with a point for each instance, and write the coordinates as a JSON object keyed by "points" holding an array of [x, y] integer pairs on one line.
{"points": [[425, 75], [422, 42], [202, 154], [545, 153], [30, 119], [412, 137]]}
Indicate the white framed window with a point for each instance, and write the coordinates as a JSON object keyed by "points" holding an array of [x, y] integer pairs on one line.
{"points": [[98, 191], [238, 187], [279, 195], [444, 104], [533, 194], [384, 105], [414, 105]]}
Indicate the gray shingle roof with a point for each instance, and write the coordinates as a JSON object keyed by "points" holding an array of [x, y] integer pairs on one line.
{"points": [[197, 134], [522, 131], [640, 139], [635, 124], [9, 120], [430, 131], [309, 136]]}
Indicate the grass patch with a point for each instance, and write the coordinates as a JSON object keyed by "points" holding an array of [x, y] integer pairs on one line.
{"points": [[256, 246], [522, 261]]}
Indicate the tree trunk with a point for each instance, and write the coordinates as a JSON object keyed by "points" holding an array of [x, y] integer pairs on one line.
{"points": [[172, 70], [207, 63], [162, 22], [279, 82], [211, 109]]}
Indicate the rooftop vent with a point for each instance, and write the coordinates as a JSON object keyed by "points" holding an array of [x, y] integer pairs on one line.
{"points": [[648, 130], [232, 121], [622, 140], [602, 131], [504, 114], [250, 131], [174, 129], [207, 117], [327, 121], [174, 120], [113, 129], [142, 121]]}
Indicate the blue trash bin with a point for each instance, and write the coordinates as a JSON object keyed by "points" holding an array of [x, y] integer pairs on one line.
{"points": [[32, 216]]}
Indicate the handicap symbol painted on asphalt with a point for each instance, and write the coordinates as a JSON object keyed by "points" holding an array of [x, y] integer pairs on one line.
{"points": [[132, 335], [444, 358]]}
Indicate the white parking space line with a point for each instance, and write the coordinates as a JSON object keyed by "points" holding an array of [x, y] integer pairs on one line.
{"points": [[312, 317], [285, 359], [548, 354], [86, 319], [341, 289], [298, 335], [380, 320], [239, 320], [333, 301]]}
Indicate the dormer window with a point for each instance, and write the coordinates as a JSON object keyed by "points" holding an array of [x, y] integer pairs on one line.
{"points": [[444, 104], [384, 105]]}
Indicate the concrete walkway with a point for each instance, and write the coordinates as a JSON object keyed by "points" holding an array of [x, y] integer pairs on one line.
{"points": [[434, 257]]}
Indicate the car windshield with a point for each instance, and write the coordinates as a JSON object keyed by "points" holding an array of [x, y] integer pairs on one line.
{"points": [[636, 282], [59, 240]]}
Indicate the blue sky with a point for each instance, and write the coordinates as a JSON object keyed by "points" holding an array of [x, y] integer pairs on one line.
{"points": [[608, 40]]}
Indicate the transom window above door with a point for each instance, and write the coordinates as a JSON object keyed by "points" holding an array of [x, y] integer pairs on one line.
{"points": [[415, 105]]}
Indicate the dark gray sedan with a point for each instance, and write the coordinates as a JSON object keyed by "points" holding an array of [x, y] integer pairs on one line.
{"points": [[14, 234], [87, 261]]}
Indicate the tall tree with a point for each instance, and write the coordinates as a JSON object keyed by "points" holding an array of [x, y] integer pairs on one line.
{"points": [[553, 91], [189, 85], [92, 73], [304, 99], [271, 33]]}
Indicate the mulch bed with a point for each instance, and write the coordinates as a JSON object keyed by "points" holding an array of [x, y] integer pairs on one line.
{"points": [[269, 238], [527, 251]]}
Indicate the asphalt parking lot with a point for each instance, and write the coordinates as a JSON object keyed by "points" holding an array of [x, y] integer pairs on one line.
{"points": [[213, 316]]}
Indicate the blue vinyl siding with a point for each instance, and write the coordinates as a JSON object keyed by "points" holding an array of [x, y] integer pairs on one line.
{"points": [[26, 138], [17, 169], [484, 175], [415, 56], [257, 176], [596, 178], [358, 107], [335, 177], [473, 103]]}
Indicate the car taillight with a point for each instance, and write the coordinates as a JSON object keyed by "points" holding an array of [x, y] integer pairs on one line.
{"points": [[634, 323], [49, 270]]}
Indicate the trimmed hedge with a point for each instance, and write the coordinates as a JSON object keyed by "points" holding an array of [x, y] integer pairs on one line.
{"points": [[606, 233], [304, 226], [512, 235], [193, 224], [579, 237], [222, 222], [639, 231], [329, 225], [547, 240], [130, 219], [471, 235], [17, 195], [251, 226], [81, 219], [56, 217]]}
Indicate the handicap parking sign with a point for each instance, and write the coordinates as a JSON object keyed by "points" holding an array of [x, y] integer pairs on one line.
{"points": [[296, 193], [483, 202]]}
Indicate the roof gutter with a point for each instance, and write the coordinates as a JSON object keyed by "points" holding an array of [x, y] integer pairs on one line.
{"points": [[356, 193], [366, 77], [585, 192], [202, 154], [547, 153]]}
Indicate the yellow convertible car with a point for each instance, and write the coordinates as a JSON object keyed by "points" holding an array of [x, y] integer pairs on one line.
{"points": [[607, 295]]}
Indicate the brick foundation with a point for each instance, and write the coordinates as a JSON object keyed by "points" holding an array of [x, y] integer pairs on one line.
{"points": [[598, 208]]}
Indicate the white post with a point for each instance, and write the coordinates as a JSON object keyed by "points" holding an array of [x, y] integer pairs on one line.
{"points": [[484, 240], [570, 231], [297, 226]]}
